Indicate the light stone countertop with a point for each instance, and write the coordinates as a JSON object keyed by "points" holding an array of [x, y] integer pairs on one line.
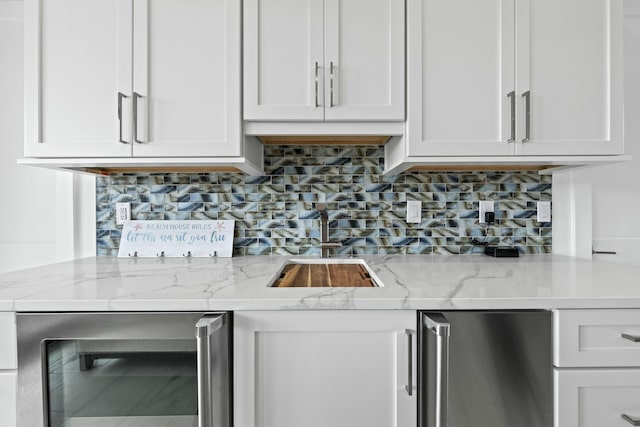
{"points": [[240, 283]]}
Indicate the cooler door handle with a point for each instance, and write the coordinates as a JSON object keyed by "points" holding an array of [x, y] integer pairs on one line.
{"points": [[437, 324], [206, 327]]}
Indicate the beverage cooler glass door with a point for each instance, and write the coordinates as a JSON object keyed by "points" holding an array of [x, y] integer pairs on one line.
{"points": [[123, 369]]}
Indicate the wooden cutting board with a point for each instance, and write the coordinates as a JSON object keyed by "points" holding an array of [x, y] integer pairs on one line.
{"points": [[324, 275]]}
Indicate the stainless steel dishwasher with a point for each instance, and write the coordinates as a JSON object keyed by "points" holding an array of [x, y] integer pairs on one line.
{"points": [[117, 369], [485, 369]]}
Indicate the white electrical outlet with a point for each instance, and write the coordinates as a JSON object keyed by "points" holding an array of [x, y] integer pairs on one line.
{"points": [[123, 213], [414, 211], [544, 212], [485, 206]]}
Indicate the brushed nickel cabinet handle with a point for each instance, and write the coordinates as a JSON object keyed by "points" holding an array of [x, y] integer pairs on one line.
{"points": [[316, 84], [631, 420], [527, 115], [121, 96], [632, 338], [331, 83], [136, 96], [409, 386], [512, 96]]}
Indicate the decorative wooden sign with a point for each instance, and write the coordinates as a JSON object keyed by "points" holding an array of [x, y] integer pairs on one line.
{"points": [[176, 239]]}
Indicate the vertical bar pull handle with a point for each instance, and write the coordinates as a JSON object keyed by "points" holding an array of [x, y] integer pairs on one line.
{"points": [[205, 328], [121, 96], [316, 84], [512, 96], [631, 420], [331, 83], [527, 116], [437, 324], [409, 386], [632, 338], [136, 96]]}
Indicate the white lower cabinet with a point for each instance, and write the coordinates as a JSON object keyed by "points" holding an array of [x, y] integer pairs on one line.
{"points": [[8, 366], [8, 390], [597, 397], [8, 341], [597, 368], [325, 368]]}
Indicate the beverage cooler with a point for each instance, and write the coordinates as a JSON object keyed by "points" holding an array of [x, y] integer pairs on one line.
{"points": [[485, 369], [124, 369]]}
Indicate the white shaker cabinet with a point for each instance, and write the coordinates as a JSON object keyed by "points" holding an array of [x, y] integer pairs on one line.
{"points": [[187, 78], [514, 77], [572, 69], [597, 368], [8, 366], [324, 60], [142, 78], [78, 57], [324, 368]]}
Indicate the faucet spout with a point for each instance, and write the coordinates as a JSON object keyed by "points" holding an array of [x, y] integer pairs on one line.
{"points": [[325, 245]]}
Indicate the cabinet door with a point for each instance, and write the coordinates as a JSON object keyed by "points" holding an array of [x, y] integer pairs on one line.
{"points": [[8, 341], [460, 72], [570, 60], [8, 390], [364, 60], [283, 60], [77, 60], [323, 368], [596, 397], [187, 78]]}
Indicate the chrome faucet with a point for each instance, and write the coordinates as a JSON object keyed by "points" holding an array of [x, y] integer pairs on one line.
{"points": [[325, 244]]}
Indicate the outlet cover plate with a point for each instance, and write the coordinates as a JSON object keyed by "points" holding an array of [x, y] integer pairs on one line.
{"points": [[414, 211], [123, 213], [544, 212]]}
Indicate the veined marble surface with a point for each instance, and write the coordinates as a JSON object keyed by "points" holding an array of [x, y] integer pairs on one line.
{"points": [[240, 283]]}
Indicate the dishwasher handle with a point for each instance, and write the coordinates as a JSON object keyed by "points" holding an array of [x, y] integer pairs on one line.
{"points": [[207, 330], [437, 325]]}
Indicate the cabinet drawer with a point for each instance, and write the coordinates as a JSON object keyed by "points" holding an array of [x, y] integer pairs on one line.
{"points": [[8, 342], [596, 397], [596, 338]]}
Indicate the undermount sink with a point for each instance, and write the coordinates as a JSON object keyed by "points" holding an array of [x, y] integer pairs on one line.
{"points": [[325, 272]]}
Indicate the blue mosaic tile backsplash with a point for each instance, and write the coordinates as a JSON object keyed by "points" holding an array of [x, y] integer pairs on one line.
{"points": [[275, 214]]}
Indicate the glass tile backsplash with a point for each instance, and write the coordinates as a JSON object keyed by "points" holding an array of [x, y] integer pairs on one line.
{"points": [[275, 214]]}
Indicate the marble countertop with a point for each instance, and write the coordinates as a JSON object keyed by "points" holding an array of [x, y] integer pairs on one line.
{"points": [[240, 283]]}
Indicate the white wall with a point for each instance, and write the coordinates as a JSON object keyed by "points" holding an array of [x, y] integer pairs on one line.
{"points": [[40, 209]]}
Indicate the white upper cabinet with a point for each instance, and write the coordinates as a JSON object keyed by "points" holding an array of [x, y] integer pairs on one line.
{"points": [[324, 60], [142, 78], [460, 66], [570, 60], [186, 78], [76, 56], [514, 77], [283, 58]]}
